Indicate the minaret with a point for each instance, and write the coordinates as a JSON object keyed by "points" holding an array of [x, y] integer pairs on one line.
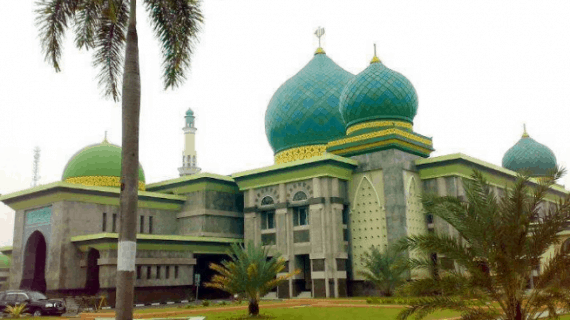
{"points": [[189, 162]]}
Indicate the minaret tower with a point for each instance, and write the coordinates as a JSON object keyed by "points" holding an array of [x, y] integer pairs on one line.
{"points": [[189, 162]]}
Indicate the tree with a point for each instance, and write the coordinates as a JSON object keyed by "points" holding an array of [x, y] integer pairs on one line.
{"points": [[250, 272], [501, 241], [386, 270], [109, 28]]}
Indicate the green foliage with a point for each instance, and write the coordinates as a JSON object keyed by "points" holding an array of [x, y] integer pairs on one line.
{"points": [[205, 303], [386, 269], [500, 242], [102, 25], [249, 272], [15, 311]]}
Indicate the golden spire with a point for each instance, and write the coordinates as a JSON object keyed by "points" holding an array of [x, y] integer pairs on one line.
{"points": [[375, 58], [525, 134], [319, 33]]}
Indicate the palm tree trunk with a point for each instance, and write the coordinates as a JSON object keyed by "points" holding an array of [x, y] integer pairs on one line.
{"points": [[253, 307], [129, 172]]}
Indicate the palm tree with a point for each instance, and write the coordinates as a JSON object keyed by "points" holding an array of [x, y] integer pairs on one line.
{"points": [[109, 28], [386, 270], [501, 241], [250, 272]]}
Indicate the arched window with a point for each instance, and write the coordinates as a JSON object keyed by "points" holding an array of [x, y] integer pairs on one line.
{"points": [[566, 246], [299, 196], [267, 200]]}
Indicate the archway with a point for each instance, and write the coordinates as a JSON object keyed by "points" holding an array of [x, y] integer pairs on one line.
{"points": [[34, 269], [92, 280]]}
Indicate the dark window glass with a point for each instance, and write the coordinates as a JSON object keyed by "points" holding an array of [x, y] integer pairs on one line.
{"points": [[300, 216], [345, 216], [299, 196], [149, 224], [114, 226], [37, 296], [176, 272], [167, 272], [268, 220], [139, 272], [21, 297], [429, 218], [148, 272], [104, 227], [267, 201], [11, 297], [142, 225], [158, 272]]}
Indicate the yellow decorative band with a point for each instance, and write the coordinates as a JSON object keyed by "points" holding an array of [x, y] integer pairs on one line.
{"points": [[377, 134], [381, 144], [375, 124], [299, 153], [101, 181]]}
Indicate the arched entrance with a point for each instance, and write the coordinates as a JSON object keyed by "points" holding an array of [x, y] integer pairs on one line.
{"points": [[92, 280], [34, 269]]}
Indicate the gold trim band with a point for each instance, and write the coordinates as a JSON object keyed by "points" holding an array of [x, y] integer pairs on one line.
{"points": [[299, 153], [374, 124], [381, 133], [380, 144], [101, 181]]}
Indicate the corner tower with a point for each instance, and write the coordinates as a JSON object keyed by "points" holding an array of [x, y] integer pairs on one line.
{"points": [[189, 160]]}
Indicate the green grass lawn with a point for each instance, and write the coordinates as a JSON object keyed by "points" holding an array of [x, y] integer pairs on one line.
{"points": [[317, 313]]}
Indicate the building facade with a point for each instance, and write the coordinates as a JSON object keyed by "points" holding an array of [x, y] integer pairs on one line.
{"points": [[349, 170]]}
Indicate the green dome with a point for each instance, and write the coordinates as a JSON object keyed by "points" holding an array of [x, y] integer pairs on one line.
{"points": [[378, 93], [189, 112], [5, 261], [530, 155], [97, 165], [304, 110]]}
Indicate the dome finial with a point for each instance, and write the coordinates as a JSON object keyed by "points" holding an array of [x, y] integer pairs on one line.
{"points": [[105, 139], [319, 33], [375, 58], [525, 134]]}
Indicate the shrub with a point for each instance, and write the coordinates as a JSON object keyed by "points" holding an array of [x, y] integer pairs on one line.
{"points": [[16, 311], [206, 303]]}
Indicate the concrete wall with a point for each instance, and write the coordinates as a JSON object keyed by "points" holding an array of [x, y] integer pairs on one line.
{"points": [[211, 213]]}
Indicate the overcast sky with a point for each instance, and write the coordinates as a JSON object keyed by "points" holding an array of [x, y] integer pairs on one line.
{"points": [[481, 69]]}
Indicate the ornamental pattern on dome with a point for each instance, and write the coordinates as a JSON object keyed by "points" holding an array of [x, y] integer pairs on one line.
{"points": [[304, 110], [378, 93], [527, 154]]}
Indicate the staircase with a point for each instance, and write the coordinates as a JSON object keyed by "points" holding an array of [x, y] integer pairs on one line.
{"points": [[270, 296], [304, 295]]}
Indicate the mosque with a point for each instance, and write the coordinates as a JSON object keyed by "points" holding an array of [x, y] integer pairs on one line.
{"points": [[348, 172]]}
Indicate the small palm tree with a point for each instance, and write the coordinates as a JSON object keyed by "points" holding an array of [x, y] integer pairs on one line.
{"points": [[16, 311], [501, 241], [387, 269], [250, 272]]}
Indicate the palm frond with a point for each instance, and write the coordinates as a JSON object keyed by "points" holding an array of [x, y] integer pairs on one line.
{"points": [[110, 45], [176, 24], [87, 23], [52, 19]]}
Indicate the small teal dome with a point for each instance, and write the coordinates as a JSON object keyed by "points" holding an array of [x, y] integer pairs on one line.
{"points": [[378, 93], [304, 110], [189, 112], [527, 154]]}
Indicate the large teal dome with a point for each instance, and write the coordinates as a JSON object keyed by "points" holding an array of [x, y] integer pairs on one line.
{"points": [[378, 93], [304, 110], [527, 154]]}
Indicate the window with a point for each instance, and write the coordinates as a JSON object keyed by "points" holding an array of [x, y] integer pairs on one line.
{"points": [[300, 216], [345, 215], [142, 225], [429, 218], [139, 272], [268, 220], [114, 226], [299, 196], [150, 224], [267, 200], [175, 272], [158, 272], [104, 227], [148, 272], [167, 275]]}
